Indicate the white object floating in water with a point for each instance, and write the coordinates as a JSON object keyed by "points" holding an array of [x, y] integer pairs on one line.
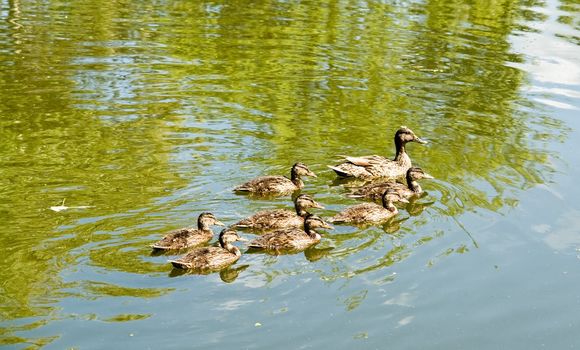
{"points": [[62, 207], [59, 208]]}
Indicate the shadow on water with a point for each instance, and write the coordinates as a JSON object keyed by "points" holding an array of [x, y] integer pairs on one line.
{"points": [[416, 207], [227, 275], [311, 254], [314, 254]]}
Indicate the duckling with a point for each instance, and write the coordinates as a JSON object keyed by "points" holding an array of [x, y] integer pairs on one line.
{"points": [[292, 239], [277, 185], [375, 191], [189, 237], [365, 213], [212, 258], [280, 218], [377, 166]]}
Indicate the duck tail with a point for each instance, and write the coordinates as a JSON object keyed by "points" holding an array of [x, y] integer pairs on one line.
{"points": [[339, 171], [256, 245], [242, 224], [178, 264], [243, 188], [336, 219]]}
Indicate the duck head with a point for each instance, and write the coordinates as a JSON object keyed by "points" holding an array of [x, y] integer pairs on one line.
{"points": [[314, 221], [416, 173], [229, 235], [404, 135], [303, 202], [300, 169], [391, 196], [205, 220]]}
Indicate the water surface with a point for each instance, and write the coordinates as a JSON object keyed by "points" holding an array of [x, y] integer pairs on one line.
{"points": [[151, 112]]}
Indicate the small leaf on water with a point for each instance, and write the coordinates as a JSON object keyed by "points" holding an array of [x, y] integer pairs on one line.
{"points": [[64, 207], [59, 208]]}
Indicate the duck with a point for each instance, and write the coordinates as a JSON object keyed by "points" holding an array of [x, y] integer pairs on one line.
{"points": [[374, 166], [266, 220], [412, 189], [292, 239], [277, 185], [212, 258], [189, 237], [368, 213]]}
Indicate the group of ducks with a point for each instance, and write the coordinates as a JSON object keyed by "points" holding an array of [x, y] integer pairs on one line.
{"points": [[288, 231]]}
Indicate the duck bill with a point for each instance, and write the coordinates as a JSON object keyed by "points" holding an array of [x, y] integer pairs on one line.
{"points": [[242, 239], [219, 223], [403, 200], [427, 176], [317, 205], [420, 140], [310, 173]]}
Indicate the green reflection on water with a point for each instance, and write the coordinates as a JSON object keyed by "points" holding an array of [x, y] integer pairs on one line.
{"points": [[140, 112], [127, 318]]}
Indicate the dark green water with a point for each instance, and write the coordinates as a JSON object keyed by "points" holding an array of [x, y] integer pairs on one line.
{"points": [[151, 112]]}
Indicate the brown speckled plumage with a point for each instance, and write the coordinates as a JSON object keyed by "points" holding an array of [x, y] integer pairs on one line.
{"points": [[212, 258], [189, 237], [375, 191], [367, 213], [280, 218], [277, 185], [292, 239], [378, 166]]}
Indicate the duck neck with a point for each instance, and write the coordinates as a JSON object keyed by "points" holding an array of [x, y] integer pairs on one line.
{"points": [[401, 156], [413, 185], [300, 211], [202, 225], [295, 178], [310, 231], [233, 249], [390, 206], [230, 248]]}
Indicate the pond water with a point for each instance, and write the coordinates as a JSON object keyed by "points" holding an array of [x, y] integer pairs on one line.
{"points": [[149, 113]]}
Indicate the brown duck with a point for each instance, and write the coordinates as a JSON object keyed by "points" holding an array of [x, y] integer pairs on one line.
{"points": [[189, 237], [375, 191], [369, 213], [292, 239], [280, 218], [378, 166], [277, 185], [212, 258]]}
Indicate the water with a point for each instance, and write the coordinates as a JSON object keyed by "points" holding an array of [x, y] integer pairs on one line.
{"points": [[151, 112]]}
